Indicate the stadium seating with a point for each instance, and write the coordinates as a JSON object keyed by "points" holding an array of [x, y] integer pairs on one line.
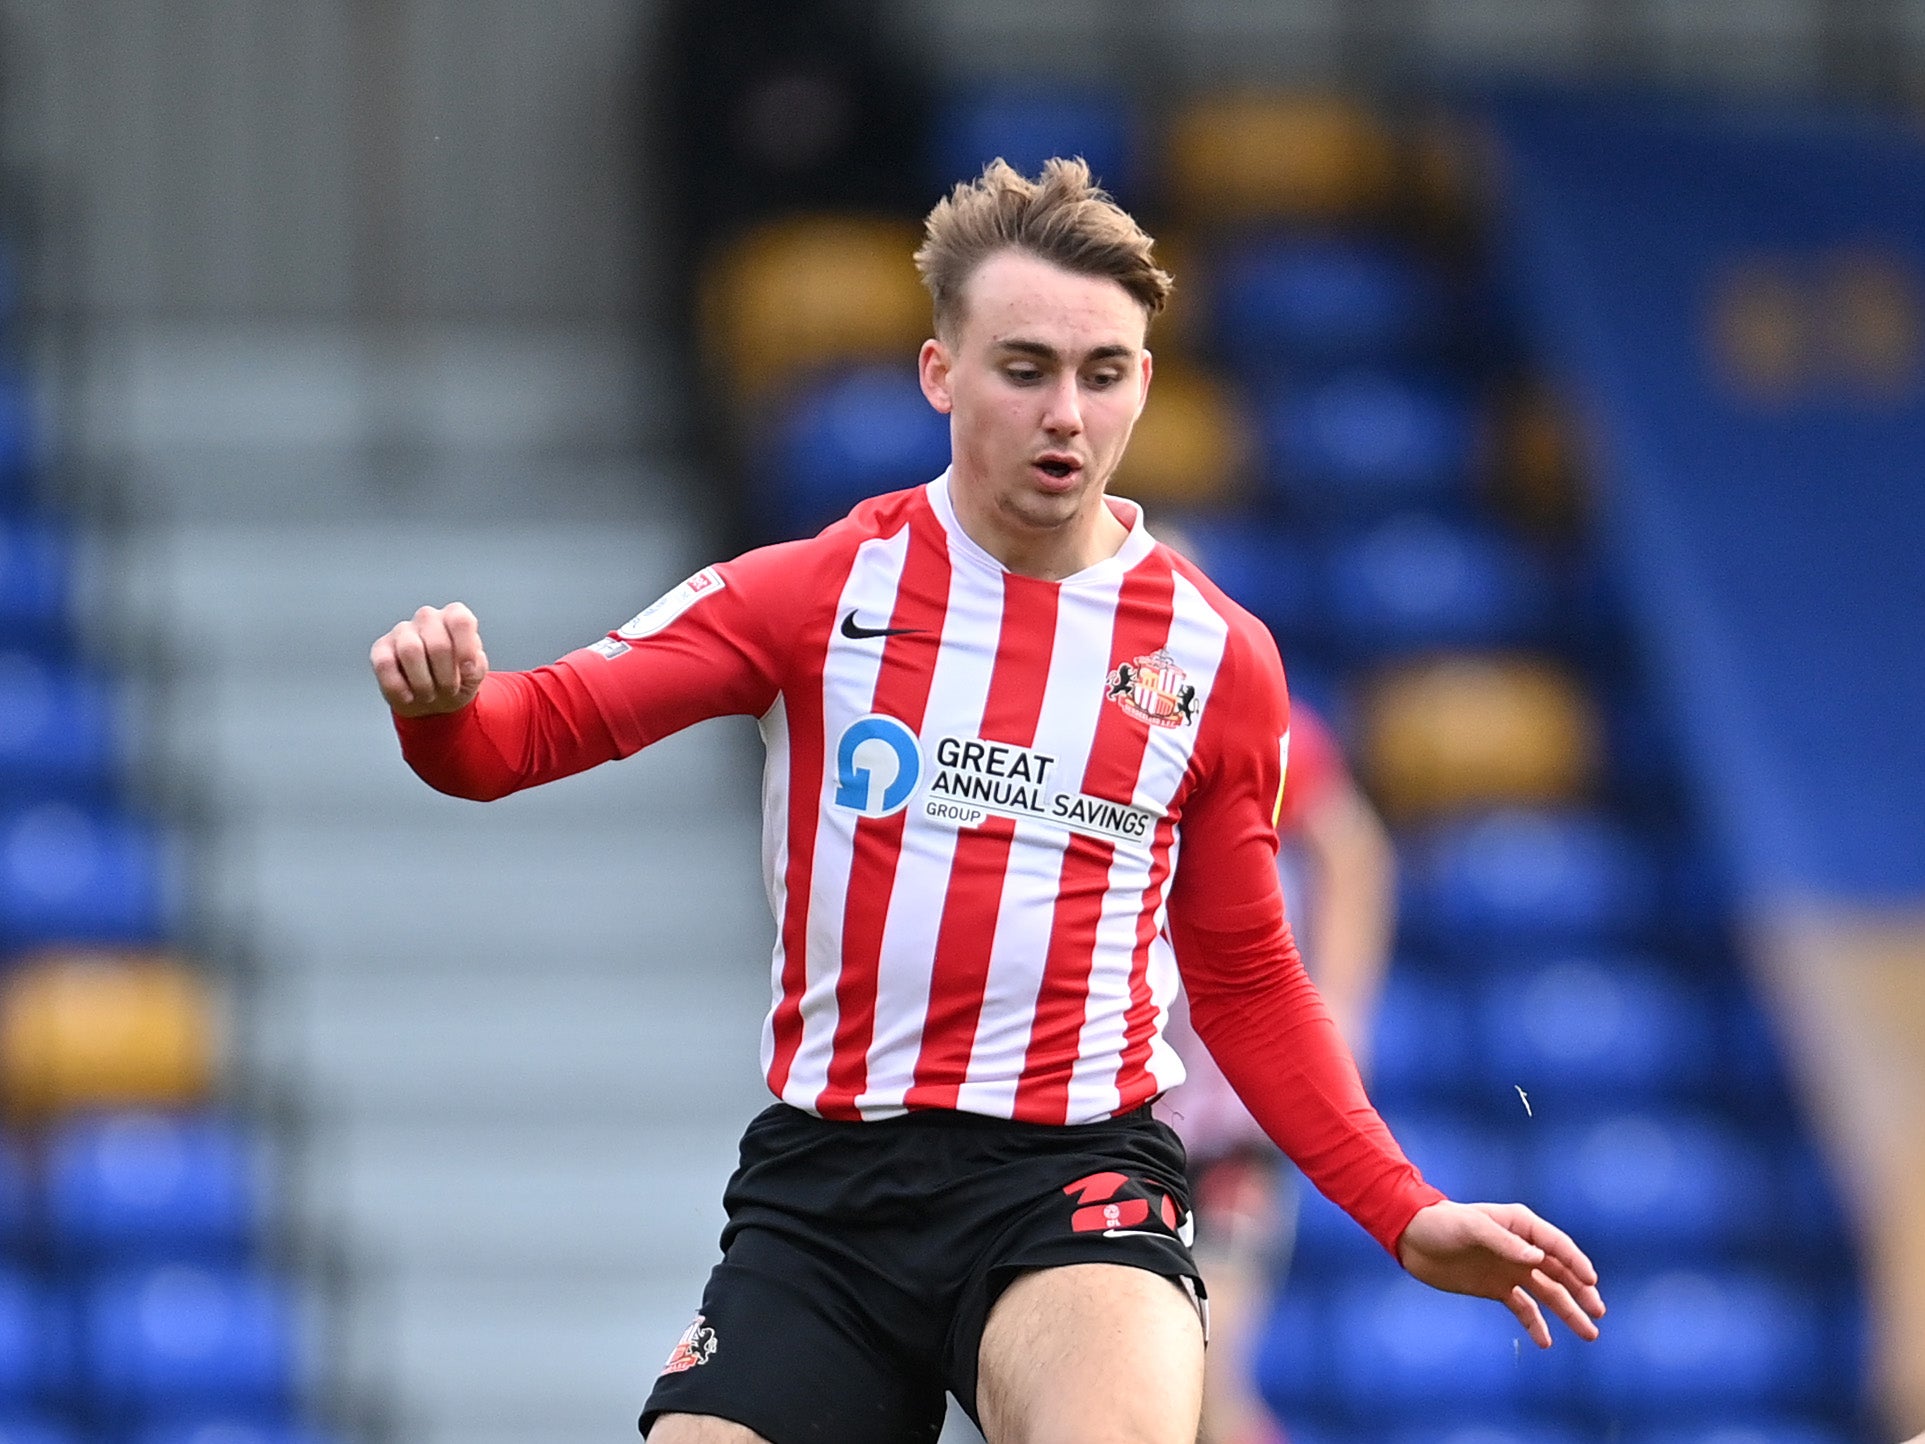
{"points": [[1722, 1342], [58, 738], [1573, 1026], [1423, 1048], [1474, 730], [804, 292], [96, 1030], [1460, 1156], [1754, 1431], [1191, 449], [1285, 301], [1659, 1184], [225, 1430], [1239, 157], [69, 873], [1419, 581], [141, 1184], [15, 1199], [169, 1338], [1028, 124], [1259, 565], [1404, 1353], [24, 1361], [19, 1429], [1525, 1430], [1363, 442], [1527, 878], [851, 434], [35, 578]]}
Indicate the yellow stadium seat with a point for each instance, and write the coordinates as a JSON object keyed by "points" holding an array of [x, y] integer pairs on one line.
{"points": [[1539, 476], [1477, 730], [103, 1030], [1190, 445], [1251, 155], [807, 290]]}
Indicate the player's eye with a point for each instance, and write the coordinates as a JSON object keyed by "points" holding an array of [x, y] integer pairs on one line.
{"points": [[1023, 375]]}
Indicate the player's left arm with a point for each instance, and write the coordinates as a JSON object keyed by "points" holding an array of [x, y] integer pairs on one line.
{"points": [[1269, 1030]]}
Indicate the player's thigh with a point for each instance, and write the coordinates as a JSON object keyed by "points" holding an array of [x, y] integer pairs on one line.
{"points": [[701, 1429], [1092, 1354]]}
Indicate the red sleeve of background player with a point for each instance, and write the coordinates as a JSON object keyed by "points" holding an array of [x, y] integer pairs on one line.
{"points": [[704, 650], [1314, 769], [1251, 1001]]}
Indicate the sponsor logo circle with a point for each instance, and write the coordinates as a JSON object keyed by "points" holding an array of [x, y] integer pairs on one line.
{"points": [[878, 764]]}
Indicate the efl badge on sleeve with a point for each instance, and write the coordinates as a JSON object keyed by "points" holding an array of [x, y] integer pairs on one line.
{"points": [[1153, 689]]}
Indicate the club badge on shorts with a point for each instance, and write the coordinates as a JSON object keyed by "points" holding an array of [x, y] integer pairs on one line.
{"points": [[696, 1346], [1153, 689]]}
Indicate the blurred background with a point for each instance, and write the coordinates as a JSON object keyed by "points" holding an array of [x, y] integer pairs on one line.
{"points": [[1548, 374]]}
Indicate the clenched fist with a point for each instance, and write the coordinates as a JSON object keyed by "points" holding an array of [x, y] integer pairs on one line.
{"points": [[432, 662]]}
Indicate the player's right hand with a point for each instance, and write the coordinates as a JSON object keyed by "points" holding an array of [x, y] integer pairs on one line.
{"points": [[432, 662]]}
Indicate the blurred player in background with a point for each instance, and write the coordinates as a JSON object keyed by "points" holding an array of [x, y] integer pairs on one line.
{"points": [[1340, 877], [994, 706]]}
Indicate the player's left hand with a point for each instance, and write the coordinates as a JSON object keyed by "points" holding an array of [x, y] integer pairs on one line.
{"points": [[1503, 1251]]}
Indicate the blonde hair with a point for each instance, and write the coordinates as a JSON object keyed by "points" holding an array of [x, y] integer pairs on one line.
{"points": [[1063, 217]]}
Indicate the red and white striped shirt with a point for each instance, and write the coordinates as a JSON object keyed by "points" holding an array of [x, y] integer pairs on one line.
{"points": [[985, 797]]}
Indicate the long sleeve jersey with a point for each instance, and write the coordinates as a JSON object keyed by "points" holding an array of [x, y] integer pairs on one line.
{"points": [[999, 815]]}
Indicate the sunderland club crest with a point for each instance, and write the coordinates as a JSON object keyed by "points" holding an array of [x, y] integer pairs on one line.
{"points": [[696, 1346], [1153, 689]]}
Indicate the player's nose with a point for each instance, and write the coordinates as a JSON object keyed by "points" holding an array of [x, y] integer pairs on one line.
{"points": [[1062, 408]]}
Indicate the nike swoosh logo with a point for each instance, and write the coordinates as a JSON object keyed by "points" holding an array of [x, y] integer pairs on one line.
{"points": [[856, 633], [1133, 1233]]}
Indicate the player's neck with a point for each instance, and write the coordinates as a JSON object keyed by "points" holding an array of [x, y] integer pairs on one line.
{"points": [[1048, 553]]}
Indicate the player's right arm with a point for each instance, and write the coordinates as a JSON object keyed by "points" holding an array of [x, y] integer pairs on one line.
{"points": [[705, 649]]}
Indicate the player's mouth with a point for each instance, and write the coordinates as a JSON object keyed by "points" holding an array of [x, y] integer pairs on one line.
{"points": [[1057, 471]]}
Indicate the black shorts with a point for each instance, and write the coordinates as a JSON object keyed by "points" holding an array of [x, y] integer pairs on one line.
{"points": [[860, 1261]]}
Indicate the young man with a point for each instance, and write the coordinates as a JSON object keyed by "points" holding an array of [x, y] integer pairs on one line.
{"points": [[1009, 738]]}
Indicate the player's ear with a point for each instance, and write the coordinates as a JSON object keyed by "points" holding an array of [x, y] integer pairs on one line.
{"points": [[932, 369]]}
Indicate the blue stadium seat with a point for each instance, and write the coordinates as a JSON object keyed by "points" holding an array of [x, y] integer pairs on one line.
{"points": [[1461, 1157], [1715, 1343], [74, 875], [1423, 1047], [851, 435], [1420, 581], [1655, 1181], [35, 571], [1406, 1353], [164, 1340], [1329, 1244], [27, 1338], [15, 1196], [1521, 1430], [1259, 566], [1028, 124], [1767, 1430], [226, 1429], [1288, 1358], [23, 1429], [17, 440], [58, 738], [1578, 1026], [146, 1184], [1362, 443], [1316, 301], [1520, 878]]}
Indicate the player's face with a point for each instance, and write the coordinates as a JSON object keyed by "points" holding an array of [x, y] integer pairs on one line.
{"points": [[1042, 382]]}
